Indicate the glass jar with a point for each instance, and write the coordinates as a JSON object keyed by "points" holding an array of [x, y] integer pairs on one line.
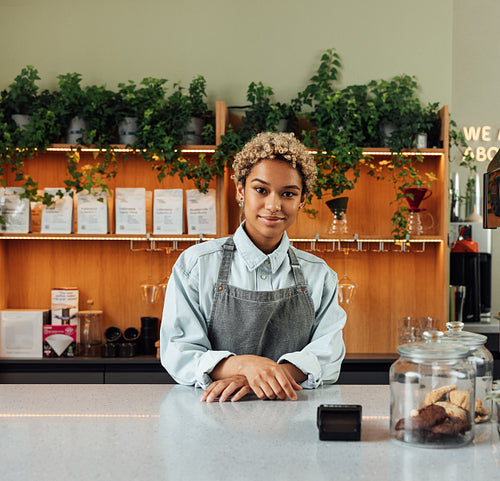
{"points": [[90, 333], [432, 388], [482, 360]]}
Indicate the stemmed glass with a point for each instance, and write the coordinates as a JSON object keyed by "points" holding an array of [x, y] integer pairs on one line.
{"points": [[162, 284], [149, 288], [347, 287]]}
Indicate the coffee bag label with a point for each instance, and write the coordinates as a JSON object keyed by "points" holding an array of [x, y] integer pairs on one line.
{"points": [[201, 212], [130, 210], [58, 217], [15, 210], [92, 212], [168, 211]]}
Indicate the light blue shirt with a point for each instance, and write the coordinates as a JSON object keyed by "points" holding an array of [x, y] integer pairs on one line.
{"points": [[185, 349]]}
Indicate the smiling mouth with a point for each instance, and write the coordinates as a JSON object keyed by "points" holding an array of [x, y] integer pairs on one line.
{"points": [[271, 218]]}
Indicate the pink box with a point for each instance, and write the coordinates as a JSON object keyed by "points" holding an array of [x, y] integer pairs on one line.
{"points": [[59, 341]]}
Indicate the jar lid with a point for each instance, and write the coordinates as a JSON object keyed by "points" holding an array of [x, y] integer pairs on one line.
{"points": [[434, 347], [456, 334]]}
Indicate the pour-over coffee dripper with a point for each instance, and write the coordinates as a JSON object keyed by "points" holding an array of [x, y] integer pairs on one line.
{"points": [[338, 223], [419, 221]]}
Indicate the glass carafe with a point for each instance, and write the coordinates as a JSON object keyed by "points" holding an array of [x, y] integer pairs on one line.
{"points": [[338, 218], [419, 222], [482, 360], [90, 332]]}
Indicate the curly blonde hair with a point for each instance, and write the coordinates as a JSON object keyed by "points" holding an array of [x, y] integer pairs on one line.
{"points": [[276, 146]]}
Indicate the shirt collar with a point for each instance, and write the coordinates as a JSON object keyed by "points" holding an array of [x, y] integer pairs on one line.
{"points": [[253, 257]]}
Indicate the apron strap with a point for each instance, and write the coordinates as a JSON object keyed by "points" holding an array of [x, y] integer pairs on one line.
{"points": [[225, 267], [298, 275]]}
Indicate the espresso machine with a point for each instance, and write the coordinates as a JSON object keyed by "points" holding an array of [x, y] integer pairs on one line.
{"points": [[473, 270]]}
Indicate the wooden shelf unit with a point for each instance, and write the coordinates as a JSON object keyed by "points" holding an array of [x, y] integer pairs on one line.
{"points": [[393, 280]]}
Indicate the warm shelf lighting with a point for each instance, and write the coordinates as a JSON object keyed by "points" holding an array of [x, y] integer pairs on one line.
{"points": [[104, 237], [187, 150]]}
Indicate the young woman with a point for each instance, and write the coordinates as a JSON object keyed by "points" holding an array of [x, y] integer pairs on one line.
{"points": [[250, 313]]}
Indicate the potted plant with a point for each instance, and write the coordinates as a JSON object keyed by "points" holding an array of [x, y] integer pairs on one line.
{"points": [[99, 114], [401, 114], [198, 110], [20, 144], [72, 102], [19, 101], [340, 121], [261, 115], [133, 101]]}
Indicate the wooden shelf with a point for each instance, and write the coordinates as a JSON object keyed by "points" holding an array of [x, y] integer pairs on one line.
{"points": [[394, 279]]}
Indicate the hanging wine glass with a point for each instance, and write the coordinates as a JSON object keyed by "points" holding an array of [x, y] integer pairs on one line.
{"points": [[162, 284], [149, 288], [347, 287]]}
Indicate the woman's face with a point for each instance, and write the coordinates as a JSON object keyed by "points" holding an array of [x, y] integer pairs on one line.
{"points": [[272, 198]]}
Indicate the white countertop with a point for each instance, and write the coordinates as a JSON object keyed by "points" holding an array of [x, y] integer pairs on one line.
{"points": [[155, 432], [484, 327]]}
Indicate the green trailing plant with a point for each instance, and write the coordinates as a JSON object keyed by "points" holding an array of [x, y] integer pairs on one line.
{"points": [[321, 83], [343, 123], [399, 107], [71, 97], [262, 114], [400, 110], [197, 97], [99, 113], [134, 100], [18, 145], [22, 95], [160, 135], [91, 175]]}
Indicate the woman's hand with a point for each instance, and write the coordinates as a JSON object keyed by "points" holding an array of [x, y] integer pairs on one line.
{"points": [[237, 386], [266, 378]]}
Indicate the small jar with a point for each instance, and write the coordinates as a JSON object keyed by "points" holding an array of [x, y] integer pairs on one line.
{"points": [[90, 331], [482, 360], [432, 388]]}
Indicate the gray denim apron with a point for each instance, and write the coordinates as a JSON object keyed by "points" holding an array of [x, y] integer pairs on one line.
{"points": [[264, 323]]}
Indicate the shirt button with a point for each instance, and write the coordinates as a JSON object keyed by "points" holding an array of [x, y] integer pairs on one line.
{"points": [[263, 276], [266, 261]]}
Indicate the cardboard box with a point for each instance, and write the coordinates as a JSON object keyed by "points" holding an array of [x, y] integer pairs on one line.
{"points": [[65, 298], [59, 341], [21, 332]]}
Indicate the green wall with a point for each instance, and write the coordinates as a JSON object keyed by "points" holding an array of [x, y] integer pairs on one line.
{"points": [[230, 42]]}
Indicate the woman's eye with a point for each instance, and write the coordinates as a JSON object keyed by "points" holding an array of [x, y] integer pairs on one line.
{"points": [[260, 190], [289, 194]]}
